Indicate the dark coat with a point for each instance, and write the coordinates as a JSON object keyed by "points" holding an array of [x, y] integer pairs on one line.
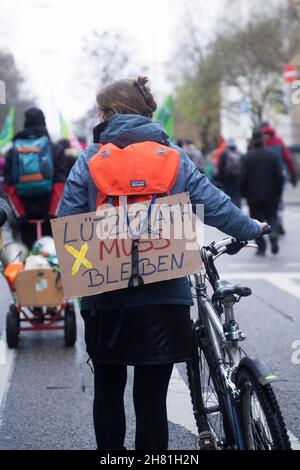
{"points": [[262, 177]]}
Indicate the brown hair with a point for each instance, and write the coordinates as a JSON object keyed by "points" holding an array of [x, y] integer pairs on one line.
{"points": [[126, 97]]}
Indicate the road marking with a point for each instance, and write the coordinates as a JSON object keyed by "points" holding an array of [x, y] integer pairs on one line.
{"points": [[261, 265], [180, 408], [249, 265], [288, 285], [293, 265], [295, 443], [256, 265], [7, 361], [262, 275], [179, 403], [283, 281], [297, 214]]}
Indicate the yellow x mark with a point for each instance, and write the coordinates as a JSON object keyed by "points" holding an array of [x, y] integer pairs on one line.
{"points": [[80, 258]]}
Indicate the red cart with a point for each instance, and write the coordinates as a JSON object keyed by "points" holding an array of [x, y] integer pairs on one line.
{"points": [[39, 304]]}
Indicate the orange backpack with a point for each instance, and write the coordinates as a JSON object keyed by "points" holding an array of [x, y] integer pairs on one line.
{"points": [[141, 171], [138, 171]]}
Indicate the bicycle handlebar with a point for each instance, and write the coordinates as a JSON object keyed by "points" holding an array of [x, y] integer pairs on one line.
{"points": [[231, 246]]}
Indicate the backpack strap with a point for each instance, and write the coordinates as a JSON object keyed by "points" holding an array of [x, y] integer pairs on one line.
{"points": [[135, 278]]}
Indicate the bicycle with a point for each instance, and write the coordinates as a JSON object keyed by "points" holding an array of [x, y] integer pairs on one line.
{"points": [[234, 405]]}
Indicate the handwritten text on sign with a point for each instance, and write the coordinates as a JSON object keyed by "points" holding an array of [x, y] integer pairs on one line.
{"points": [[94, 249]]}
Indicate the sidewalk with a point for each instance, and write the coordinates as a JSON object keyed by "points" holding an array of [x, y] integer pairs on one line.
{"points": [[292, 195]]}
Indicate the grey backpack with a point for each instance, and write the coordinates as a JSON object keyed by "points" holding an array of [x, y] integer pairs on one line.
{"points": [[233, 163]]}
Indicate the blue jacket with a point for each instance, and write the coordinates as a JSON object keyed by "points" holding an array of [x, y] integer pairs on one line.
{"points": [[80, 197]]}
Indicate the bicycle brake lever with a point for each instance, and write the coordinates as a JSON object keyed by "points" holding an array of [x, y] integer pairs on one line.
{"points": [[235, 247], [211, 249]]}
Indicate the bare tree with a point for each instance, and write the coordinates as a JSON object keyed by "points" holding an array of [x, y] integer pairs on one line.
{"points": [[16, 93], [251, 56], [197, 95], [197, 105], [250, 45], [105, 59]]}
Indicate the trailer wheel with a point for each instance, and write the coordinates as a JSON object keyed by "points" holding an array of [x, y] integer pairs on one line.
{"points": [[12, 327], [70, 325]]}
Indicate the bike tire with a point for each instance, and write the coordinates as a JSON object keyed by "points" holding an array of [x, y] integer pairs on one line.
{"points": [[194, 383], [198, 381], [255, 437], [12, 327]]}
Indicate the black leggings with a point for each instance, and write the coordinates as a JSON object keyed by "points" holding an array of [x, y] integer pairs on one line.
{"points": [[149, 395]]}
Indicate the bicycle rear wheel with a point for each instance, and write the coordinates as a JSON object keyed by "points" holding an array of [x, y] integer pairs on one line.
{"points": [[261, 421]]}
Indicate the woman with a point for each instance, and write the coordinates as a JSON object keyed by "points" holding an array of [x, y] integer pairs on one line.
{"points": [[146, 326]]}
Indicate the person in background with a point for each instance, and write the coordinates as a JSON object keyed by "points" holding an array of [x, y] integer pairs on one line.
{"points": [[276, 144], [229, 172], [194, 154], [221, 147], [83, 142], [34, 176], [70, 154], [262, 183]]}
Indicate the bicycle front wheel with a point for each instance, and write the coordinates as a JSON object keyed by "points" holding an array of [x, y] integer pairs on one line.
{"points": [[261, 421]]}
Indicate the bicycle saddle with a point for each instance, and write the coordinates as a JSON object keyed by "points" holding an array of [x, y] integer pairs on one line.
{"points": [[225, 289]]}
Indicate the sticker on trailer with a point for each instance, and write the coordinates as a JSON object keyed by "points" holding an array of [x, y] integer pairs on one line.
{"points": [[42, 285]]}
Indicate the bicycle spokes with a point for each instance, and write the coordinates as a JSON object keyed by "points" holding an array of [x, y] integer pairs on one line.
{"points": [[261, 435]]}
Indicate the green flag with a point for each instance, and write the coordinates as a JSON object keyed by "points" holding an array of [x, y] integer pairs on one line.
{"points": [[65, 130], [165, 115], [7, 133]]}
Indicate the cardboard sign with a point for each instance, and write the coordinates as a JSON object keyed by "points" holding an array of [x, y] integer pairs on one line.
{"points": [[95, 249], [38, 287]]}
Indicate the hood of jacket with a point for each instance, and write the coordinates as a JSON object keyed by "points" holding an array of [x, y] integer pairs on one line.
{"points": [[126, 129], [269, 130], [31, 132]]}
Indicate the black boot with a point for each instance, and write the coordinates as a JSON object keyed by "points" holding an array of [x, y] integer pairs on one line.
{"points": [[274, 245], [261, 243]]}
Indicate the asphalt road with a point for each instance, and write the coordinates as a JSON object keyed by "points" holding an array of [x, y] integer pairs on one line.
{"points": [[47, 400]]}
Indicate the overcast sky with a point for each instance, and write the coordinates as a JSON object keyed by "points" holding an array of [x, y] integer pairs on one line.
{"points": [[46, 38]]}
